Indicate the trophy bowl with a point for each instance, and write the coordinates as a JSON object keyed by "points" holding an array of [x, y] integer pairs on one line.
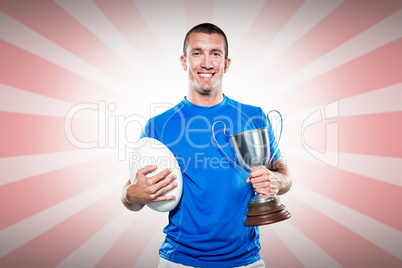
{"points": [[252, 149]]}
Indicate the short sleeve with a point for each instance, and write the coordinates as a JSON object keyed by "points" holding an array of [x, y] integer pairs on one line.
{"points": [[149, 130]]}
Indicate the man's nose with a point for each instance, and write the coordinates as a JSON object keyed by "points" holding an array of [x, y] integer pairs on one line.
{"points": [[206, 62]]}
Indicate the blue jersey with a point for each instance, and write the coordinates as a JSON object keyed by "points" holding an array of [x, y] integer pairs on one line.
{"points": [[206, 229]]}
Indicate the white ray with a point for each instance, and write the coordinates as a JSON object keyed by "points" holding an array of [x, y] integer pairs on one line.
{"points": [[21, 167], [382, 100], [22, 232], [167, 22], [235, 18], [92, 251], [305, 250], [382, 33], [370, 166], [16, 100], [385, 237], [373, 167], [308, 15], [89, 15], [21, 36], [150, 253]]}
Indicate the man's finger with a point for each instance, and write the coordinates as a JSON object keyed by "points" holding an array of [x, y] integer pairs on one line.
{"points": [[258, 172], [263, 191], [161, 175], [259, 179], [145, 170], [171, 185], [261, 185], [163, 198], [165, 182]]}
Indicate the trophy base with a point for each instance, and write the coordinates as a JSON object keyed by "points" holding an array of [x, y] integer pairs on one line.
{"points": [[266, 211]]}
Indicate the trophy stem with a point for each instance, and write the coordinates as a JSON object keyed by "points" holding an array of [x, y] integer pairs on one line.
{"points": [[263, 211]]}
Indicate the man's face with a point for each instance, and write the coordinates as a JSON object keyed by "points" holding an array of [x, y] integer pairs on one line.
{"points": [[205, 62]]}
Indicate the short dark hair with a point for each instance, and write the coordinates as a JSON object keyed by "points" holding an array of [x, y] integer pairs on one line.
{"points": [[207, 28]]}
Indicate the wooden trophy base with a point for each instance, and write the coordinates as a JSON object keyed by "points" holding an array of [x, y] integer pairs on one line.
{"points": [[266, 212]]}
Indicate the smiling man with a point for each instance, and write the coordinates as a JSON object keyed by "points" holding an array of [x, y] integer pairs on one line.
{"points": [[205, 59], [206, 229]]}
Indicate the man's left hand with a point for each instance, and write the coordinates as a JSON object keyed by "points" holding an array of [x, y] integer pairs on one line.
{"points": [[264, 181]]}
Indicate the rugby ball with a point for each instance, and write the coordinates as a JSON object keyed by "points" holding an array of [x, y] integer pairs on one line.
{"points": [[149, 151]]}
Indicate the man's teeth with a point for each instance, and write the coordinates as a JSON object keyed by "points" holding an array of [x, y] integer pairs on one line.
{"points": [[205, 75]]}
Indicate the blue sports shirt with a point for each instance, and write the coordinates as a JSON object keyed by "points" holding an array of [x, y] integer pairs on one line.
{"points": [[206, 229]]}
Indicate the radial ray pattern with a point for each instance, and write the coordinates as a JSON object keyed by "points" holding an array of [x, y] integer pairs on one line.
{"points": [[79, 79]]}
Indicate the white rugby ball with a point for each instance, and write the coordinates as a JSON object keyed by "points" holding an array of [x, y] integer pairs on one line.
{"points": [[149, 151]]}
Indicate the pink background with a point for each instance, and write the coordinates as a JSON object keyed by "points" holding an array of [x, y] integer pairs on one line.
{"points": [[332, 68]]}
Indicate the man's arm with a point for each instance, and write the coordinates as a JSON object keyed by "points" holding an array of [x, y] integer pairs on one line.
{"points": [[146, 190], [130, 205], [271, 181], [280, 169]]}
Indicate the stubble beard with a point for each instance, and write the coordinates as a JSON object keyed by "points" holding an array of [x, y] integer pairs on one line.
{"points": [[206, 90]]}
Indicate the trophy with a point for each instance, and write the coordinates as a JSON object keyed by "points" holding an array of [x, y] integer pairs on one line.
{"points": [[252, 149]]}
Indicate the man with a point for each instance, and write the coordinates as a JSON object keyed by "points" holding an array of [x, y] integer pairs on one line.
{"points": [[206, 228]]}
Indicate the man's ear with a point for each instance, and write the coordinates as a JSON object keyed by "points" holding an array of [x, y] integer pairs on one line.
{"points": [[183, 61], [227, 64]]}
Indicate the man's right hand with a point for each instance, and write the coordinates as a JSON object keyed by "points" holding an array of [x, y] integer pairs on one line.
{"points": [[146, 190]]}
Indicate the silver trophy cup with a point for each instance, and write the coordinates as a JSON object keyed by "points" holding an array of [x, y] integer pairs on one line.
{"points": [[252, 149]]}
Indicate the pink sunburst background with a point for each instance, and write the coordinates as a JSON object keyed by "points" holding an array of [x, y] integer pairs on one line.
{"points": [[78, 80]]}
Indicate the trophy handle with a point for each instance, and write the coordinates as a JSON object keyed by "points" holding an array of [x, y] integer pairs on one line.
{"points": [[224, 132], [280, 135]]}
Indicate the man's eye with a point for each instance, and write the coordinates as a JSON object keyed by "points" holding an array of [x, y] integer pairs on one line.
{"points": [[196, 53], [216, 54]]}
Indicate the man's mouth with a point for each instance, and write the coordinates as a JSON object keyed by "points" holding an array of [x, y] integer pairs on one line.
{"points": [[206, 75]]}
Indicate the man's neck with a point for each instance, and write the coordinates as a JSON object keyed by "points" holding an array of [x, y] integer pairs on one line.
{"points": [[206, 100]]}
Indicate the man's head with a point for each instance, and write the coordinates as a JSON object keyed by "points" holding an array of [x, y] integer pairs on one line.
{"points": [[206, 28], [205, 58]]}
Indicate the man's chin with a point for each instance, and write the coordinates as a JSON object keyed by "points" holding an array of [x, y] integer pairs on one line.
{"points": [[205, 91]]}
